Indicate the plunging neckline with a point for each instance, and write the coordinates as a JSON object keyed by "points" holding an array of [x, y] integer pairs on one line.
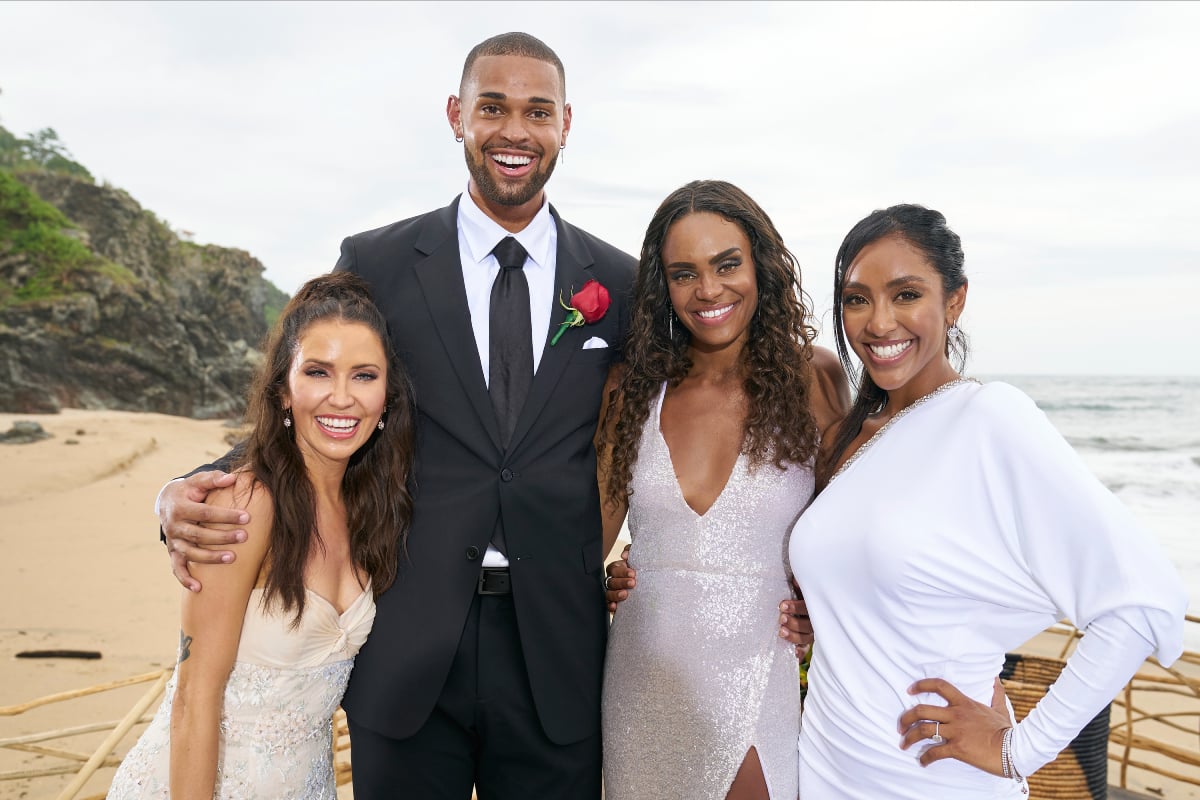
{"points": [[332, 607], [662, 396]]}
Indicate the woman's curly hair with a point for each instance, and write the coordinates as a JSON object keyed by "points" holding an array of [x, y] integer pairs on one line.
{"points": [[780, 426]]}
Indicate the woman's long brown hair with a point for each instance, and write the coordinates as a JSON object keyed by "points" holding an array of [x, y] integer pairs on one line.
{"points": [[780, 427], [375, 487]]}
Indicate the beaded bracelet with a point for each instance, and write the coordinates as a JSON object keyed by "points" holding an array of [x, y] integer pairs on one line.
{"points": [[1007, 766]]}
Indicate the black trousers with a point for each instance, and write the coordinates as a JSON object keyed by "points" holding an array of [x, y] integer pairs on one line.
{"points": [[484, 731]]}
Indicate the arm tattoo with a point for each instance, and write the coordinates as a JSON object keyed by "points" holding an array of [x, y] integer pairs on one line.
{"points": [[185, 646]]}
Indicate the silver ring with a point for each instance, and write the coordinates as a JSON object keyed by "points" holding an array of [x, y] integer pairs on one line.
{"points": [[937, 737], [607, 578]]}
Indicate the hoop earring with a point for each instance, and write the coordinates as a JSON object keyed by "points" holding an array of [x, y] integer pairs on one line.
{"points": [[458, 137]]}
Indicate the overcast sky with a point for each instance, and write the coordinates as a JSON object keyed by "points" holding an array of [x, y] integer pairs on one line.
{"points": [[1061, 140]]}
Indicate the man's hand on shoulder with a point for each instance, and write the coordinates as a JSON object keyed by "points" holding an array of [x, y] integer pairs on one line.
{"points": [[182, 513]]}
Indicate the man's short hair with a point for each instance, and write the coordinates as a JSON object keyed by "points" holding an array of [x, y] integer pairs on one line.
{"points": [[514, 44]]}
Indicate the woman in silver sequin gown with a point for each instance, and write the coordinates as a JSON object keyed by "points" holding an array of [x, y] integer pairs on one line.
{"points": [[267, 646], [708, 434]]}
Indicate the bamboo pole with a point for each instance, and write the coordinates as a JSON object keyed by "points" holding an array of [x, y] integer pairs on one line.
{"points": [[62, 733], [1154, 746], [45, 772], [1167, 681], [21, 708], [1166, 773], [114, 738], [69, 755], [1165, 718], [1128, 744]]}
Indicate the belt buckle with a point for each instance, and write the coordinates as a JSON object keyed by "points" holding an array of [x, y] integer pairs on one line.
{"points": [[499, 575]]}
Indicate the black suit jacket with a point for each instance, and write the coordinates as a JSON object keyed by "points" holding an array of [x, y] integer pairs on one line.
{"points": [[543, 487]]}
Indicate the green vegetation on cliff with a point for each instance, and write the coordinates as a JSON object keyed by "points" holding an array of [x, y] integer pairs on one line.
{"points": [[102, 305], [34, 235], [38, 234], [43, 151]]}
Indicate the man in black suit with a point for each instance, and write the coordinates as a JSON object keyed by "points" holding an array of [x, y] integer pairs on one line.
{"points": [[484, 665]]}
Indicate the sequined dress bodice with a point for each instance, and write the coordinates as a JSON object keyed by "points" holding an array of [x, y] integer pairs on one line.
{"points": [[695, 673], [276, 723]]}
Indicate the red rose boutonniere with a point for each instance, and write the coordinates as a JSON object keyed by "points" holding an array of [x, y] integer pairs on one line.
{"points": [[588, 305]]}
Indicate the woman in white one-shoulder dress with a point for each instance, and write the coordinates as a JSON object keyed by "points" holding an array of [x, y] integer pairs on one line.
{"points": [[267, 646], [708, 436], [957, 524]]}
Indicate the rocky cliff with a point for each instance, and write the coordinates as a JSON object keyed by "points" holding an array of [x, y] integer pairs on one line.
{"points": [[103, 306]]}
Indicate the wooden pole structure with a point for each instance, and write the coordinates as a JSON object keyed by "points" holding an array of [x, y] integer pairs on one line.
{"points": [[114, 738], [21, 708]]}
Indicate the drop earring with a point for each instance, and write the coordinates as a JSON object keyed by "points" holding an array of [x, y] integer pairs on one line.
{"points": [[287, 418], [955, 334]]}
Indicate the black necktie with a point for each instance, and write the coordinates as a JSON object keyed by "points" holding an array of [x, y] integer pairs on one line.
{"points": [[510, 349]]}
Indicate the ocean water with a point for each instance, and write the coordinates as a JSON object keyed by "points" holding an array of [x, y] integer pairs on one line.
{"points": [[1141, 437]]}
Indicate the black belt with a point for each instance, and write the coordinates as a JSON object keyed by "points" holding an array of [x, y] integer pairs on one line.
{"points": [[494, 580]]}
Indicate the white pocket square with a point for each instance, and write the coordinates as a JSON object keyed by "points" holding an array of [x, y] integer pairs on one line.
{"points": [[594, 343]]}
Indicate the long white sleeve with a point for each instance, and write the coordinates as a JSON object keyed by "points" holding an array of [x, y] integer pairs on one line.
{"points": [[1091, 558], [1079, 543], [1110, 651]]}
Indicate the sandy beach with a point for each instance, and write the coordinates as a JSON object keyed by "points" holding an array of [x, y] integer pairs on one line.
{"points": [[82, 572]]}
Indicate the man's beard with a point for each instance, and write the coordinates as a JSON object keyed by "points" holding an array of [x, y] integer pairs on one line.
{"points": [[506, 194]]}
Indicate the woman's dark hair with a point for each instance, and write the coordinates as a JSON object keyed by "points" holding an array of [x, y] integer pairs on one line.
{"points": [[926, 231], [780, 426], [375, 487]]}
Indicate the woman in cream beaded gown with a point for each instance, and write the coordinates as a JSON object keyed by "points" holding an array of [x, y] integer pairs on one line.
{"points": [[707, 439], [957, 525], [266, 648]]}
